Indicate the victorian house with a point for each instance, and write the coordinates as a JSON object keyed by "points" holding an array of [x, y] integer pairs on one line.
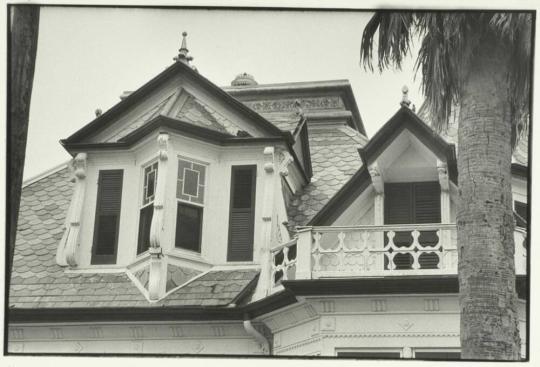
{"points": [[248, 219]]}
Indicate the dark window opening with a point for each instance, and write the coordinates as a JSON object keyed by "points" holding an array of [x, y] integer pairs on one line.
{"points": [[370, 355], [437, 355], [188, 227]]}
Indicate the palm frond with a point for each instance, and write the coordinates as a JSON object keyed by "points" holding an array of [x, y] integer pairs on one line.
{"points": [[394, 39]]}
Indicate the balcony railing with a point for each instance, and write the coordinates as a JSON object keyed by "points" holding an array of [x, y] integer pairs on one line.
{"points": [[365, 251]]}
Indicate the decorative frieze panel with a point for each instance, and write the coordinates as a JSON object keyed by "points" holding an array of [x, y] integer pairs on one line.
{"points": [[328, 323], [290, 104], [431, 304], [378, 305], [328, 306]]}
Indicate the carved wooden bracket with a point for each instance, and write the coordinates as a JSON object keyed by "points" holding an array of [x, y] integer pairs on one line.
{"points": [[286, 160], [157, 267], [67, 249], [376, 178], [443, 175]]}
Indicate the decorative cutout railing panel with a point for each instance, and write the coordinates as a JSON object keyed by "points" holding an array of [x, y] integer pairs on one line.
{"points": [[386, 250]]}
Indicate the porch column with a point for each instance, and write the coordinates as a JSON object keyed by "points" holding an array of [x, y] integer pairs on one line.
{"points": [[378, 211], [449, 254]]}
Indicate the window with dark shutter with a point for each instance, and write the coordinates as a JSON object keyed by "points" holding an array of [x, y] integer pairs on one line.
{"points": [[242, 213], [520, 213], [109, 199], [411, 203]]}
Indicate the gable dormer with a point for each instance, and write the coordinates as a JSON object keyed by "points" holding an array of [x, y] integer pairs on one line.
{"points": [[178, 175]]}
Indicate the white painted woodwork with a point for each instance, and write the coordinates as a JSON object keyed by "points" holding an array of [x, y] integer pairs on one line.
{"points": [[67, 253]]}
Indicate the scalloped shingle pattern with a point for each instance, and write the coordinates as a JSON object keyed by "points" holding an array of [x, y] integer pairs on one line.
{"points": [[335, 158], [215, 288], [36, 280]]}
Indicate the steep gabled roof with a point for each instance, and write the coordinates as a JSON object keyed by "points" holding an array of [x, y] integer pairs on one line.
{"points": [[404, 118], [140, 94]]}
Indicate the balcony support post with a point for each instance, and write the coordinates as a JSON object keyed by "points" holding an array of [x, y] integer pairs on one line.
{"points": [[303, 254], [378, 211]]}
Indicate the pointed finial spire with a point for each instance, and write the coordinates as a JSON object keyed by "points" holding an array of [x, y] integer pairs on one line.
{"points": [[405, 102], [183, 51]]}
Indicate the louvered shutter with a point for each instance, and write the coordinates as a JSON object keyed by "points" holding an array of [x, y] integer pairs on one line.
{"points": [[411, 203], [109, 198], [242, 213]]}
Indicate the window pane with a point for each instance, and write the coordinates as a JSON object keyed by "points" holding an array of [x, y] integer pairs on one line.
{"points": [[188, 227], [191, 182], [145, 220], [151, 183]]}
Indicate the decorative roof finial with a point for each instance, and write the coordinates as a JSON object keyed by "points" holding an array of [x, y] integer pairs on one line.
{"points": [[98, 112], [183, 51], [405, 102]]}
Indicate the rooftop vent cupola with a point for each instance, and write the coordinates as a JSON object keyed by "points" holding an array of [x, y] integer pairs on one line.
{"points": [[183, 53], [243, 80]]}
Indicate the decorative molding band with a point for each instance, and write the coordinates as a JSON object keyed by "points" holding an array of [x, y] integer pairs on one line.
{"points": [[67, 248], [298, 344], [387, 334], [290, 104]]}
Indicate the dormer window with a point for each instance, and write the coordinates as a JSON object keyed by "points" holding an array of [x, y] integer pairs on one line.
{"points": [[191, 183], [147, 207]]}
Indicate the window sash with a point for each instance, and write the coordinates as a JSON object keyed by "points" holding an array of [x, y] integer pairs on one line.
{"points": [[182, 240]]}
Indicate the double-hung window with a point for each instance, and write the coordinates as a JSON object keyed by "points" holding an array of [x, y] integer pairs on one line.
{"points": [[147, 206], [190, 188]]}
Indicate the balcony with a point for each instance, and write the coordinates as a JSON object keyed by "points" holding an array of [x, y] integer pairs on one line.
{"points": [[374, 251]]}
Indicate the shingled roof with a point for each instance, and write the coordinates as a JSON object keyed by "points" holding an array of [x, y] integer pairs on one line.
{"points": [[38, 282], [335, 158]]}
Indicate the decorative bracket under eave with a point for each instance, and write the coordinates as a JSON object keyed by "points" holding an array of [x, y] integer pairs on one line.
{"points": [[376, 178], [442, 170], [66, 255], [156, 281]]}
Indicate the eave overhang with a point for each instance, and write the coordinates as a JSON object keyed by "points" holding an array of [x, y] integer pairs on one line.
{"points": [[137, 96], [189, 130], [404, 118], [292, 290]]}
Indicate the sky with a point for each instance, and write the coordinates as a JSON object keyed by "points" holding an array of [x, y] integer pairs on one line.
{"points": [[87, 57]]}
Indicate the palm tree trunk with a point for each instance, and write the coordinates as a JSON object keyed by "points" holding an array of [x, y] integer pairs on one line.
{"points": [[23, 47], [488, 300]]}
